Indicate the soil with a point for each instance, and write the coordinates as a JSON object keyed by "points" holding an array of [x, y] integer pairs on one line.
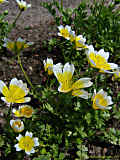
{"points": [[41, 27]]}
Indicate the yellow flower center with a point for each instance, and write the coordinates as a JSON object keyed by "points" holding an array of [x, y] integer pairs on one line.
{"points": [[26, 143], [101, 100], [64, 32], [18, 114], [78, 44], [77, 92], [10, 45], [14, 95], [66, 81], [16, 46], [66, 86], [99, 61], [26, 111], [49, 67], [17, 123]]}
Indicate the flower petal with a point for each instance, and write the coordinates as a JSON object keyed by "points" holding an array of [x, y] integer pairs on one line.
{"points": [[113, 65], [28, 134], [3, 88], [80, 93], [104, 54], [19, 137], [36, 141], [17, 147], [82, 83]]}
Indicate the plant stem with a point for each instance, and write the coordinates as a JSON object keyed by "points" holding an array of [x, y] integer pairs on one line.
{"points": [[26, 77], [9, 113], [14, 23], [62, 4]]}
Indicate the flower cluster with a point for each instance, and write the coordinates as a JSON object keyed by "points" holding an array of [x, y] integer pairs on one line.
{"points": [[17, 90], [64, 75], [16, 46], [23, 111], [97, 59], [77, 40], [16, 94]]}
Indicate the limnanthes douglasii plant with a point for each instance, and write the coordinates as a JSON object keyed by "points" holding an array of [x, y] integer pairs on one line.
{"points": [[48, 65], [64, 77], [97, 21], [27, 143], [99, 59], [15, 93], [23, 111], [65, 119], [17, 47], [5, 27], [17, 125]]}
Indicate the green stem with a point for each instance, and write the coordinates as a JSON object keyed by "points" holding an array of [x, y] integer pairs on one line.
{"points": [[62, 4], [26, 77], [9, 113], [14, 23]]}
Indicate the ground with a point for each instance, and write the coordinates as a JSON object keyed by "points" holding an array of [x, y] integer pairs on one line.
{"points": [[41, 27]]}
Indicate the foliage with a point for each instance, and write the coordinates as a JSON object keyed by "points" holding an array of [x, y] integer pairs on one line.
{"points": [[100, 25], [3, 27]]}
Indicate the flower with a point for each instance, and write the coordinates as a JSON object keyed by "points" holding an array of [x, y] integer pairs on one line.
{"points": [[23, 111], [26, 143], [99, 59], [1, 1], [101, 100], [16, 46], [23, 5], [15, 93], [64, 31], [116, 75], [79, 41], [17, 125], [66, 83], [48, 65]]}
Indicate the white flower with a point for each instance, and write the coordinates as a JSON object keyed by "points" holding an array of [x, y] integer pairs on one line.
{"points": [[48, 65], [23, 5], [64, 77], [16, 46], [17, 125], [101, 100], [99, 59], [64, 31], [116, 75], [26, 143], [23, 111], [15, 93], [80, 42]]}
